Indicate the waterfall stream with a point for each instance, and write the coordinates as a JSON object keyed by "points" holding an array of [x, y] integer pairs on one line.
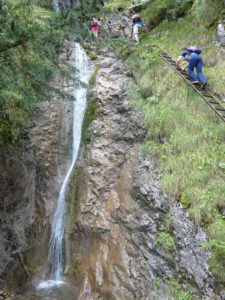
{"points": [[56, 5], [55, 255], [64, 3]]}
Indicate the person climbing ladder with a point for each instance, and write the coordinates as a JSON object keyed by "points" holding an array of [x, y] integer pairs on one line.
{"points": [[136, 23], [194, 59]]}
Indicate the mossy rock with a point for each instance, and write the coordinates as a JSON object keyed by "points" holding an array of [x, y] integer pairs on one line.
{"points": [[93, 56], [76, 266], [86, 47], [205, 219], [88, 118], [185, 201], [92, 80]]}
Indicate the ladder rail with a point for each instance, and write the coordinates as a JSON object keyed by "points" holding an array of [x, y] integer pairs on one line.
{"points": [[210, 99], [199, 92]]}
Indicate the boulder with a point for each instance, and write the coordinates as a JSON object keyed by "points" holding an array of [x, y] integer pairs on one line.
{"points": [[221, 32]]}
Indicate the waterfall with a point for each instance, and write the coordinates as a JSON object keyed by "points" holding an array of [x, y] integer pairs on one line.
{"points": [[65, 4], [55, 254], [56, 5]]}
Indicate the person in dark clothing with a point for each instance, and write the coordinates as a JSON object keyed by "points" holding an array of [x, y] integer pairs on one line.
{"points": [[194, 60]]}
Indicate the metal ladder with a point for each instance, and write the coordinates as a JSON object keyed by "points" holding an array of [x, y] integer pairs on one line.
{"points": [[212, 100]]}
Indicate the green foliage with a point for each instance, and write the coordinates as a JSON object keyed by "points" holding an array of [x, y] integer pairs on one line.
{"points": [[90, 111], [209, 12], [43, 3], [76, 266], [183, 133], [174, 288], [115, 4], [123, 4], [93, 77], [92, 55], [166, 241], [157, 11], [29, 59], [217, 260], [185, 201]]}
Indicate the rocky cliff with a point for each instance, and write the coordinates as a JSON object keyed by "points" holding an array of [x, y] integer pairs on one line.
{"points": [[125, 239]]}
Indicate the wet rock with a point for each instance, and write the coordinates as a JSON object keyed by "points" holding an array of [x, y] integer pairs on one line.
{"points": [[221, 33], [4, 295], [222, 295]]}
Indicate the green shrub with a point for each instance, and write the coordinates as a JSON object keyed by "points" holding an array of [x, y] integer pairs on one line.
{"points": [[166, 241], [88, 118], [175, 289], [158, 11], [29, 59], [217, 260]]}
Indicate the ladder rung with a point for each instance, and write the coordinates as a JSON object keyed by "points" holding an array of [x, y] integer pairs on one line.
{"points": [[220, 109], [213, 102], [210, 99], [206, 95], [167, 57]]}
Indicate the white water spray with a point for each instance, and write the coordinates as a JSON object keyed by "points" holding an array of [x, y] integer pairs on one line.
{"points": [[55, 254]]}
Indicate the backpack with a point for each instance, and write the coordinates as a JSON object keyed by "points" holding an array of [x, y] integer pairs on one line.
{"points": [[136, 18], [195, 49], [94, 23]]}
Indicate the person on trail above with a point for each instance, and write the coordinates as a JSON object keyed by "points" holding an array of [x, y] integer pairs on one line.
{"points": [[194, 60], [95, 27], [136, 23]]}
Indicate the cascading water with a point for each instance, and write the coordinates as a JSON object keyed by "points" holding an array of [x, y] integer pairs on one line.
{"points": [[56, 5], [55, 255], [65, 4]]}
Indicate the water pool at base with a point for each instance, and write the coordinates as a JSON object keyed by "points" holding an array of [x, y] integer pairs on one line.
{"points": [[49, 290]]}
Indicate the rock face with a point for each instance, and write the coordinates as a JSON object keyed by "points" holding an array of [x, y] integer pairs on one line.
{"points": [[118, 210], [30, 179], [119, 221], [221, 33]]}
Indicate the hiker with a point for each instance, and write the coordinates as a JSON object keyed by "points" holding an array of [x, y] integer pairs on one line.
{"points": [[137, 22], [95, 27], [194, 60]]}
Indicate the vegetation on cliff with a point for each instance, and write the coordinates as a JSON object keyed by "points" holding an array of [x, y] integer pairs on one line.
{"points": [[31, 39], [184, 134]]}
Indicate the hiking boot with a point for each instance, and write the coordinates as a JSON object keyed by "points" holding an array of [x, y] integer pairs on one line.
{"points": [[203, 84], [195, 82]]}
